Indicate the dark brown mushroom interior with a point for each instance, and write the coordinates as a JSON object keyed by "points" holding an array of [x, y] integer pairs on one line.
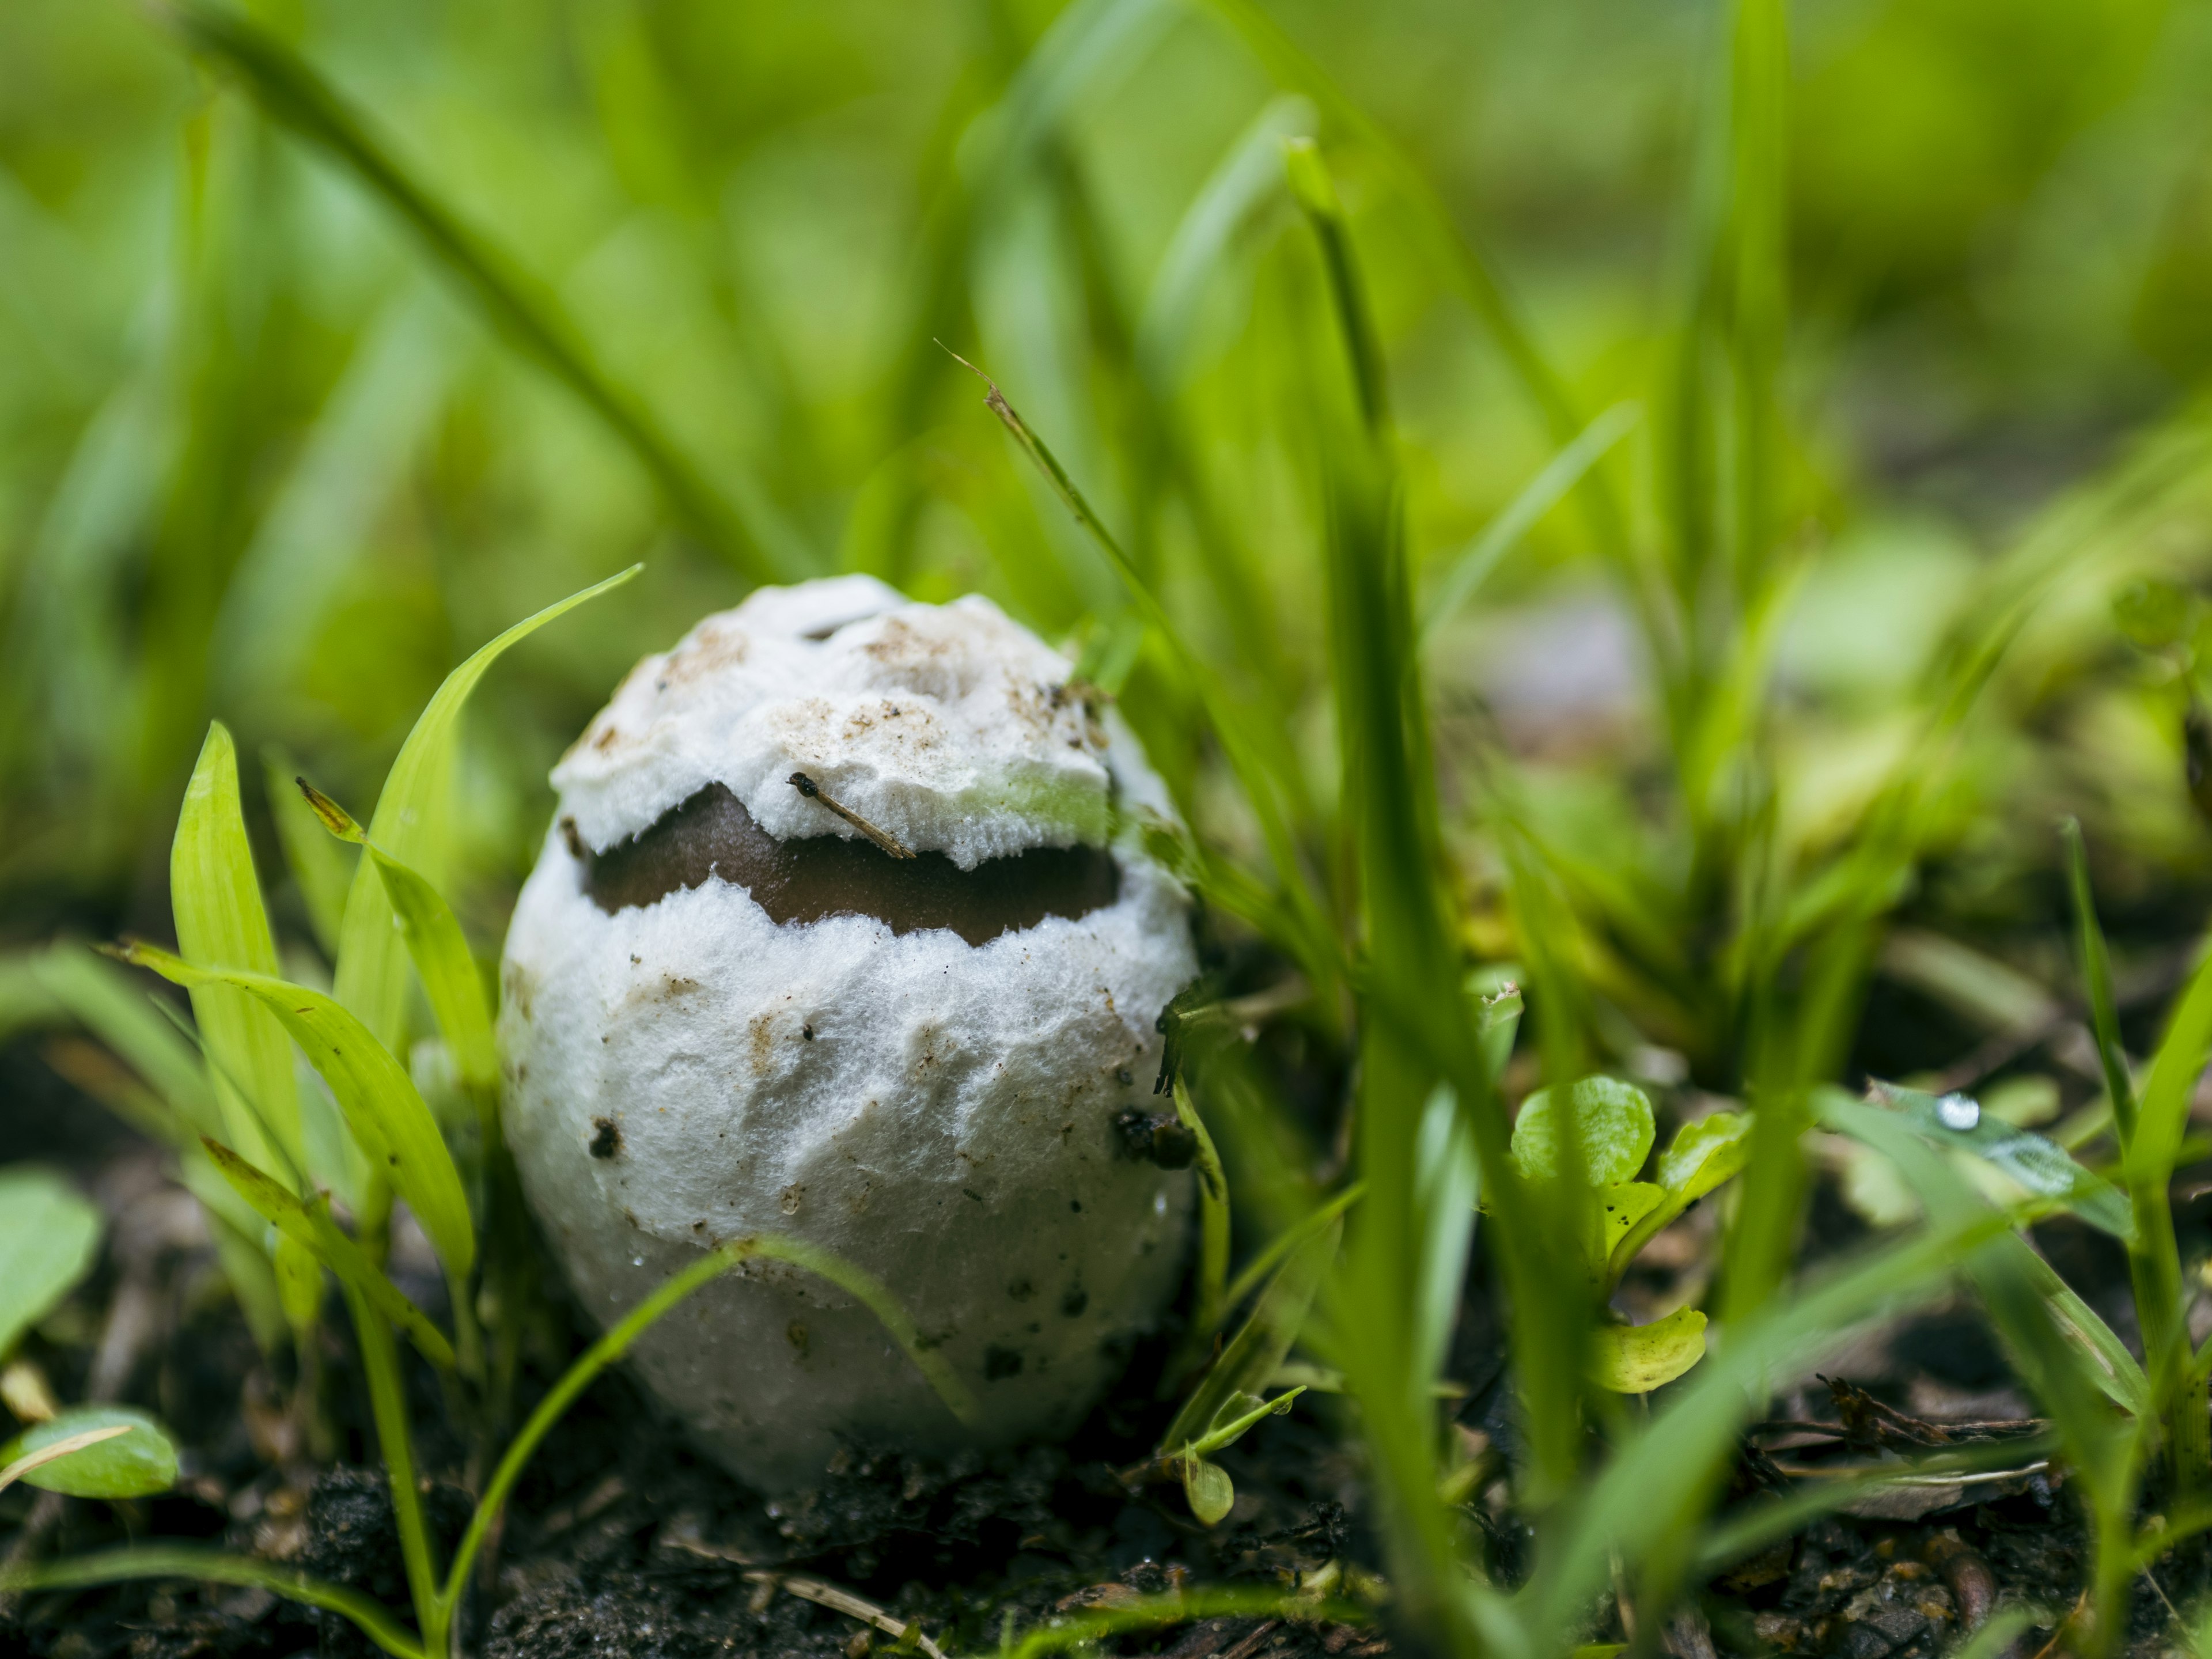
{"points": [[712, 834]]}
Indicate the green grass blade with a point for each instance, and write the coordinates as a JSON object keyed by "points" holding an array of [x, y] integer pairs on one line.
{"points": [[208, 1567], [49, 1235], [1666, 1474], [1256, 1272], [106, 1001], [221, 923], [2096, 964], [1471, 567], [382, 1108], [411, 824], [1246, 176], [387, 1399], [321, 871], [1260, 1346], [292, 93], [1213, 1214], [1311, 941], [309, 1224], [442, 960], [616, 1340]]}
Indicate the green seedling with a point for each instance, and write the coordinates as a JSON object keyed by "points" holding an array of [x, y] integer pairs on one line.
{"points": [[1611, 1131]]}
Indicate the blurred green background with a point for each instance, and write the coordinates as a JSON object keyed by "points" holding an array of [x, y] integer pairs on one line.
{"points": [[263, 457]]}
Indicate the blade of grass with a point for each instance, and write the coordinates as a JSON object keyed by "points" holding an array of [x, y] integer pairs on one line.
{"points": [[442, 960], [309, 1223], [381, 1106], [411, 823], [221, 923], [1313, 943], [141, 1561], [616, 1342], [387, 1399], [292, 93], [1472, 565]]}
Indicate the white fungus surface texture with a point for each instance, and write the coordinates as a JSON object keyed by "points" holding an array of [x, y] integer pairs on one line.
{"points": [[689, 1070]]}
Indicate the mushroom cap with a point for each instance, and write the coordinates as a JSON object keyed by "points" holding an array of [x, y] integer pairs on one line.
{"points": [[686, 1068], [951, 728]]}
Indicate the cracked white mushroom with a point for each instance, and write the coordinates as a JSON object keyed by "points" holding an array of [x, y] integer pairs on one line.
{"points": [[840, 933]]}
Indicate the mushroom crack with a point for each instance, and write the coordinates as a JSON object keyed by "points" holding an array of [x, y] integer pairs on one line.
{"points": [[712, 834]]}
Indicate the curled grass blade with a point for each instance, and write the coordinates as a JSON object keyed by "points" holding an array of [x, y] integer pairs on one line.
{"points": [[215, 898], [382, 1108], [294, 93], [310, 1224], [411, 823], [211, 1567], [616, 1342]]}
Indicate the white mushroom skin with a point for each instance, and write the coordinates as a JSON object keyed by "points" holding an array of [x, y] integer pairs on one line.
{"points": [[688, 1071]]}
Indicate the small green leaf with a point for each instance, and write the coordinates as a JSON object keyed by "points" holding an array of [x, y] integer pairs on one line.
{"points": [[1705, 1154], [135, 1464], [1238, 1417], [1210, 1491], [2042, 1166], [49, 1233], [1637, 1359], [1613, 1118], [308, 1225], [386, 1114], [215, 898], [411, 823]]}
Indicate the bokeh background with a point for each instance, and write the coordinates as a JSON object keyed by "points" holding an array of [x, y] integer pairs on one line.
{"points": [[263, 457]]}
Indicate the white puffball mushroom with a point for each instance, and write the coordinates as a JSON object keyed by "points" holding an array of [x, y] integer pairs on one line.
{"points": [[729, 1005]]}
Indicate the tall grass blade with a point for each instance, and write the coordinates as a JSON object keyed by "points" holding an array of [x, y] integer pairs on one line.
{"points": [[411, 823], [291, 92], [1472, 564], [2096, 965], [221, 923], [321, 869], [141, 1561]]}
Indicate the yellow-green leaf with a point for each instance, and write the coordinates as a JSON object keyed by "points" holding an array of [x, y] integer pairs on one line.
{"points": [[411, 823], [1622, 1206], [309, 1226], [135, 1464], [1705, 1153], [1613, 1122], [388, 1118], [215, 899], [1637, 1359]]}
